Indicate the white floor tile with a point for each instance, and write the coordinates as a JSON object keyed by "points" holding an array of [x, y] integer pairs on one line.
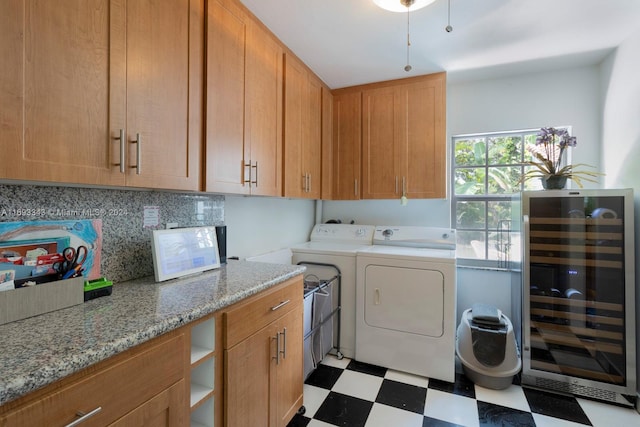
{"points": [[406, 378], [452, 408], [605, 415], [511, 397], [331, 360], [313, 398], [385, 416], [545, 421], [357, 384]]}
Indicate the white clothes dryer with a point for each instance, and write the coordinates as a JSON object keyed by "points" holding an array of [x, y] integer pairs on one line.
{"points": [[337, 245], [406, 301]]}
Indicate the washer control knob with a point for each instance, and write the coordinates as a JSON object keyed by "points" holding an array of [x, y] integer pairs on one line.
{"points": [[387, 233]]}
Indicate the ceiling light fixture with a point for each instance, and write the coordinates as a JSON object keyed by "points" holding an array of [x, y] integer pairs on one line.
{"points": [[402, 5]]}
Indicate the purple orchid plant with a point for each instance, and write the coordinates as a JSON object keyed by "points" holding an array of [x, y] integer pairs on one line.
{"points": [[551, 145]]}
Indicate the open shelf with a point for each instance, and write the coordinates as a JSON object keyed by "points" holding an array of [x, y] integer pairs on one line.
{"points": [[203, 373], [203, 339]]}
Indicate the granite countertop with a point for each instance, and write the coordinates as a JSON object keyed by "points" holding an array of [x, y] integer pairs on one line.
{"points": [[37, 351]]}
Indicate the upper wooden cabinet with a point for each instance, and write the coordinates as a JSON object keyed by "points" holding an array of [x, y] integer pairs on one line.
{"points": [[79, 74], [403, 138], [244, 103], [347, 134], [302, 131]]}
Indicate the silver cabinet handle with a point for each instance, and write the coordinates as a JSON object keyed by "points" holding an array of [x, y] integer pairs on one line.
{"points": [[284, 343], [396, 184], [404, 187], [277, 356], [122, 150], [256, 168], [282, 304], [138, 143], [83, 417], [355, 187], [309, 183]]}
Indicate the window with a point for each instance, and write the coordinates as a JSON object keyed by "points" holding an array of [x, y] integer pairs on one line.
{"points": [[485, 194]]}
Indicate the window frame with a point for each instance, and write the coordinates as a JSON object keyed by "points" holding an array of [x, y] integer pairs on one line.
{"points": [[513, 198]]}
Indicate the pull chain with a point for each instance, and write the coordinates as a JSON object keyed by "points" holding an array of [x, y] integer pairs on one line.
{"points": [[407, 67], [449, 28]]}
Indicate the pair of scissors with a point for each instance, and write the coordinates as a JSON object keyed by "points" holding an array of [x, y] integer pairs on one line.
{"points": [[72, 261]]}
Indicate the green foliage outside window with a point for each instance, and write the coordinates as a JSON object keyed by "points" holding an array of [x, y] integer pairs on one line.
{"points": [[485, 175]]}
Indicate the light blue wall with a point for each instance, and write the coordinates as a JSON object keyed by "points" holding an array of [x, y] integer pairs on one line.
{"points": [[621, 136], [256, 225]]}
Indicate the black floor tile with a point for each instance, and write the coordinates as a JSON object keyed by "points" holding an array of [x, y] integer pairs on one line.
{"points": [[462, 387], [432, 422], [556, 405], [366, 368], [402, 396], [324, 376], [299, 421], [491, 415], [342, 410]]}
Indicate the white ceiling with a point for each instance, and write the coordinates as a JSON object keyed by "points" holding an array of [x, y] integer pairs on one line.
{"points": [[349, 42]]}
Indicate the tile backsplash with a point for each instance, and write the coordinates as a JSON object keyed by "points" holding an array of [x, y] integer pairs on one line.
{"points": [[126, 247]]}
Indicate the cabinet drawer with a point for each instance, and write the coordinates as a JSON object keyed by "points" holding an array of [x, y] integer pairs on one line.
{"points": [[117, 389], [258, 311]]}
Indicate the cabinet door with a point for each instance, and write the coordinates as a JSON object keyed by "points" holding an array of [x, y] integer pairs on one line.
{"points": [[164, 86], [382, 117], [290, 368], [248, 383], [312, 155], [61, 90], [225, 144], [327, 144], [347, 133], [303, 132], [295, 86], [165, 409], [263, 111], [424, 143]]}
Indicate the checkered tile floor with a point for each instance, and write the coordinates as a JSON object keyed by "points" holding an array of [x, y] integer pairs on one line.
{"points": [[348, 393]]}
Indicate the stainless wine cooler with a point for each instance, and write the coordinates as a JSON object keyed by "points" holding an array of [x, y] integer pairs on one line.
{"points": [[578, 297]]}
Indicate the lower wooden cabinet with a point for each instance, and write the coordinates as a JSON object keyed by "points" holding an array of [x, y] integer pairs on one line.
{"points": [[144, 384], [263, 368], [178, 379], [159, 411]]}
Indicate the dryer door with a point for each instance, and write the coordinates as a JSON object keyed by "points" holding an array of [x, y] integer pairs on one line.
{"points": [[404, 299]]}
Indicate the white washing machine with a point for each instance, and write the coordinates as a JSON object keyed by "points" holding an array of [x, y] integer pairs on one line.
{"points": [[406, 301], [337, 244]]}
